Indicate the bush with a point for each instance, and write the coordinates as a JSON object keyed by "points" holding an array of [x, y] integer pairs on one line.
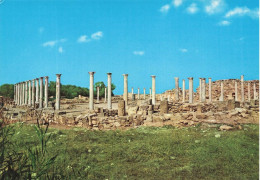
{"points": [[7, 90]]}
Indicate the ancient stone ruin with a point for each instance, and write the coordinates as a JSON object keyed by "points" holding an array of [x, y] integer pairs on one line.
{"points": [[230, 102]]}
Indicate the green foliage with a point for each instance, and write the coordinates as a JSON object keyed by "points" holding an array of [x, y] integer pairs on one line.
{"points": [[150, 153], [68, 91], [102, 87], [7, 90], [29, 161]]}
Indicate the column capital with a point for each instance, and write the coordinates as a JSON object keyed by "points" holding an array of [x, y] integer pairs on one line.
{"points": [[46, 77], [36, 79], [190, 78], [91, 73], [153, 76], [176, 78], [41, 77], [144, 88], [209, 78], [203, 78], [125, 75], [109, 74], [58, 75]]}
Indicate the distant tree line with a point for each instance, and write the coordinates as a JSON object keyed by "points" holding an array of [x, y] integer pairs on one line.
{"points": [[67, 91]]}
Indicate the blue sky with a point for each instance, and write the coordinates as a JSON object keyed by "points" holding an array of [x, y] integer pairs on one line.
{"points": [[179, 38]]}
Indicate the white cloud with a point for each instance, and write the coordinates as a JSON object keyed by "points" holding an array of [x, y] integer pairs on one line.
{"points": [[97, 35], [224, 23], [49, 43], [165, 8], [215, 6], [183, 50], [60, 50], [177, 3], [83, 38], [139, 53], [53, 43], [192, 9], [242, 11]]}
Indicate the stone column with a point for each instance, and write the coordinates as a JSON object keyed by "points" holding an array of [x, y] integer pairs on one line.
{"points": [[203, 89], [91, 90], [125, 89], [254, 91], [26, 93], [46, 95], [150, 93], [138, 91], [30, 93], [37, 90], [14, 94], [109, 91], [33, 92], [249, 93], [22, 93], [183, 91], [236, 95], [221, 98], [18, 94], [200, 94], [133, 96], [176, 89], [153, 89], [121, 108], [163, 107], [210, 91], [97, 94], [190, 89], [41, 93], [57, 92], [144, 93], [105, 95], [23, 100], [242, 89]]}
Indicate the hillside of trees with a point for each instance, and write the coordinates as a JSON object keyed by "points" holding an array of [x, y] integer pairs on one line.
{"points": [[67, 91]]}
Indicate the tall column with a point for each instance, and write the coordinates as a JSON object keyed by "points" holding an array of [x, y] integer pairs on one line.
{"points": [[236, 95], [26, 93], [58, 91], [30, 93], [22, 93], [144, 93], [242, 89], [210, 90], [190, 89], [150, 93], [132, 90], [14, 94], [221, 98], [183, 90], [138, 93], [203, 89], [91, 90], [249, 93], [254, 91], [176, 89], [37, 90], [41, 93], [125, 89], [153, 89], [33, 92], [23, 100], [200, 94], [46, 95], [105, 95], [109, 91], [97, 94], [18, 94]]}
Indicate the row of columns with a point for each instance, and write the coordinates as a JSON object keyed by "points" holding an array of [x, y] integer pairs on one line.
{"points": [[26, 93]]}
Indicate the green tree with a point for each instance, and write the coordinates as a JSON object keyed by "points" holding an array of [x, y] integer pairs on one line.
{"points": [[102, 86], [7, 90]]}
